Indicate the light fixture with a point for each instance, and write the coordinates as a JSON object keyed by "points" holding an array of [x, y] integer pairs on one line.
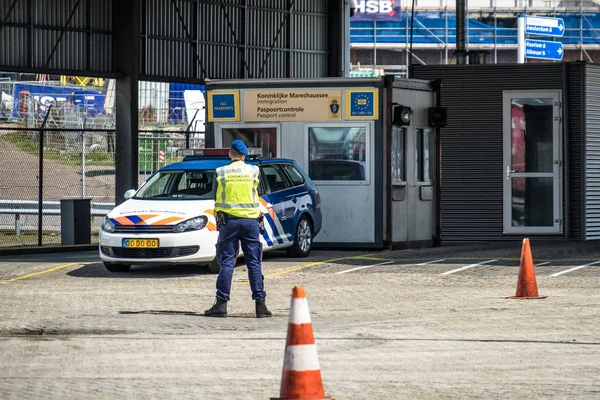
{"points": [[401, 115]]}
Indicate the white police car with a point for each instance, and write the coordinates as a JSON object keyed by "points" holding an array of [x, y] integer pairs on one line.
{"points": [[170, 218]]}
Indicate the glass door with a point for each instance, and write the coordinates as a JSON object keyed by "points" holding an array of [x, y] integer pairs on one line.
{"points": [[532, 162]]}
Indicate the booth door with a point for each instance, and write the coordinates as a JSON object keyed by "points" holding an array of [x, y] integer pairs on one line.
{"points": [[532, 162], [265, 137], [413, 181], [338, 160]]}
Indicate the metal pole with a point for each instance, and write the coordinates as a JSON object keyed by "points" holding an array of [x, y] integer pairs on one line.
{"points": [[187, 131], [461, 54], [375, 44], [521, 39], [83, 165], [41, 176], [407, 59], [495, 34], [580, 31], [446, 33], [83, 156], [412, 24]]}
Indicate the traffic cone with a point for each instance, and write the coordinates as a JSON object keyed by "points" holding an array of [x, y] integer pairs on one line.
{"points": [[301, 378], [526, 285]]}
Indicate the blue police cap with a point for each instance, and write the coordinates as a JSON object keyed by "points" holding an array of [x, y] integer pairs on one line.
{"points": [[239, 146]]}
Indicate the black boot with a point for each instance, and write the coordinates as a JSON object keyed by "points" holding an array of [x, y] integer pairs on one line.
{"points": [[261, 309], [219, 309]]}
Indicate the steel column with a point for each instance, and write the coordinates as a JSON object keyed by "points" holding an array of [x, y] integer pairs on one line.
{"points": [[339, 19], [126, 60]]}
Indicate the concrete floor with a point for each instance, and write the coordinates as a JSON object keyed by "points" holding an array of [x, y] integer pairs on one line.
{"points": [[420, 324]]}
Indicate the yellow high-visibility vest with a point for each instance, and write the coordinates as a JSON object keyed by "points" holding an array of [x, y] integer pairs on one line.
{"points": [[237, 190]]}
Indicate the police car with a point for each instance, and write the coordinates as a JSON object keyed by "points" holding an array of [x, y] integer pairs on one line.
{"points": [[171, 219]]}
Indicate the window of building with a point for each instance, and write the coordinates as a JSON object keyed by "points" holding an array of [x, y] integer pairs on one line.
{"points": [[338, 153], [398, 154], [262, 138], [422, 155], [294, 175], [274, 178]]}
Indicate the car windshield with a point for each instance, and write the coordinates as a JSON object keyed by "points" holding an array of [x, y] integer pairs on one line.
{"points": [[179, 185]]}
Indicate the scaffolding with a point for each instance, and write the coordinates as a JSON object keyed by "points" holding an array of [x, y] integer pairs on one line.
{"points": [[491, 27]]}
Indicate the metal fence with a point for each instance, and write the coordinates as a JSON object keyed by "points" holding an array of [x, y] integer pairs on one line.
{"points": [[72, 164], [76, 125]]}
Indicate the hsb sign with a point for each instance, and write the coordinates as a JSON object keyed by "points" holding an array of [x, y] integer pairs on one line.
{"points": [[377, 10], [374, 6]]}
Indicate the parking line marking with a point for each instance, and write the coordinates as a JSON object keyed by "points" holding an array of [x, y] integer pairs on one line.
{"points": [[363, 267], [374, 258], [575, 268], [301, 267], [543, 263], [467, 267], [39, 273], [431, 262]]}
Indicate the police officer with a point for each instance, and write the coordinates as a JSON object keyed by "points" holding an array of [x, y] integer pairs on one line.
{"points": [[238, 219]]}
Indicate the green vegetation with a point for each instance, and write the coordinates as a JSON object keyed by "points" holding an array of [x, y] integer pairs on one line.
{"points": [[23, 142]]}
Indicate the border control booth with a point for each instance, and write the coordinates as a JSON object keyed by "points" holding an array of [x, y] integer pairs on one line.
{"points": [[365, 142]]}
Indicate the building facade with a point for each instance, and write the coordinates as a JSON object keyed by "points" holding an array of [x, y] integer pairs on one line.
{"points": [[390, 36]]}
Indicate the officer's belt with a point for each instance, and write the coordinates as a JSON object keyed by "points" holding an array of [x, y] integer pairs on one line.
{"points": [[229, 216]]}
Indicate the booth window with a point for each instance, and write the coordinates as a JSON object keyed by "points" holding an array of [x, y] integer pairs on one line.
{"points": [[337, 153], [422, 155], [398, 154], [263, 138]]}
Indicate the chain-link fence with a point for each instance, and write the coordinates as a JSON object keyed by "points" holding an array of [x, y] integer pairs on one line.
{"points": [[75, 164], [76, 160]]}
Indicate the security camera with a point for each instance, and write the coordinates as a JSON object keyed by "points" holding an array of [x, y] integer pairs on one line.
{"points": [[353, 7]]}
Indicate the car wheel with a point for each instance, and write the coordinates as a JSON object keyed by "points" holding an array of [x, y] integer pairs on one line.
{"points": [[214, 266], [117, 267], [303, 239]]}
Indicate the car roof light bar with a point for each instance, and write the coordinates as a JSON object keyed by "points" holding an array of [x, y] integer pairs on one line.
{"points": [[253, 152]]}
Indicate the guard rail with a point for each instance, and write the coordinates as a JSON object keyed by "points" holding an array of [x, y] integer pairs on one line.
{"points": [[28, 207]]}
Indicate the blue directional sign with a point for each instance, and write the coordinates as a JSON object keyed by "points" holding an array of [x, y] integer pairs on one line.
{"points": [[545, 26], [543, 49]]}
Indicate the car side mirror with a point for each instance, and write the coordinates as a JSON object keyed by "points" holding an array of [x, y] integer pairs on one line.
{"points": [[129, 194]]}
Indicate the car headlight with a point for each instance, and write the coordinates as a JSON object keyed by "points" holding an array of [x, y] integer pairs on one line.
{"points": [[108, 225], [193, 224]]}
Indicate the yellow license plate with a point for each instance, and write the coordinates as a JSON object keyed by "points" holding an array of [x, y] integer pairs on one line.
{"points": [[140, 243]]}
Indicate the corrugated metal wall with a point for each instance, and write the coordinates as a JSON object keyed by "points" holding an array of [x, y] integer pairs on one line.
{"points": [[472, 165], [229, 39], [56, 34], [574, 153], [592, 159], [179, 39]]}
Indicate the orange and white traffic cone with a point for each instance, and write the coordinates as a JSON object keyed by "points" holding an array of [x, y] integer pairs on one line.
{"points": [[301, 378], [527, 284]]}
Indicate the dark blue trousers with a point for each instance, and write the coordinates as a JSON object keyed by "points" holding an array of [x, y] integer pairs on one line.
{"points": [[247, 232]]}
